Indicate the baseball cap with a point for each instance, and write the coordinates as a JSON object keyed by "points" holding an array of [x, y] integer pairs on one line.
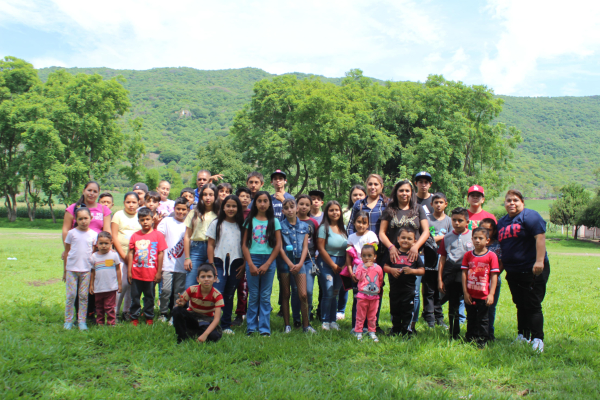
{"points": [[423, 174], [476, 189], [141, 186], [278, 172], [317, 193]]}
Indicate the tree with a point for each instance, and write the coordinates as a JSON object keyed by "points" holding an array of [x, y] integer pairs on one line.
{"points": [[567, 209], [134, 155], [219, 155], [152, 179]]}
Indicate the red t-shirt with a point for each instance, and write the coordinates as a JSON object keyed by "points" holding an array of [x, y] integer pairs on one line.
{"points": [[480, 269], [145, 257], [475, 219], [203, 305]]}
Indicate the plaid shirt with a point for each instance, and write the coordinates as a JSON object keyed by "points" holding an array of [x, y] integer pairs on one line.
{"points": [[375, 214]]}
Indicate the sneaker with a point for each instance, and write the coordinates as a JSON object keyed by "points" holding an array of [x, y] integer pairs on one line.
{"points": [[149, 321], [373, 336], [83, 326], [135, 322], [340, 316], [334, 325], [325, 326], [440, 322], [228, 332], [238, 320], [171, 322], [359, 336], [249, 333], [297, 324], [309, 329], [127, 316], [379, 331], [280, 313], [288, 329], [538, 345], [265, 334], [162, 318], [68, 325], [520, 339]]}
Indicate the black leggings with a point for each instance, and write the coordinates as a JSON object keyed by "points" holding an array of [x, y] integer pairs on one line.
{"points": [[191, 325]]}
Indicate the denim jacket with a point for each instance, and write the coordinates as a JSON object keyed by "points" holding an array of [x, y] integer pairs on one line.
{"points": [[293, 235]]}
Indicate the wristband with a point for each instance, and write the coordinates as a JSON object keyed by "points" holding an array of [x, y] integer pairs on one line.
{"points": [[188, 258], [390, 246]]}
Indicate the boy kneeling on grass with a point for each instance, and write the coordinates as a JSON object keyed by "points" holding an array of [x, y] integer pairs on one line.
{"points": [[200, 321]]}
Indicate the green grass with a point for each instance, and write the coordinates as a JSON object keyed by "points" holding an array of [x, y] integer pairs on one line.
{"points": [[25, 224], [40, 359]]}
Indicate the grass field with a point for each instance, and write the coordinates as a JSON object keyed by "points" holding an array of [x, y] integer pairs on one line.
{"points": [[40, 359]]}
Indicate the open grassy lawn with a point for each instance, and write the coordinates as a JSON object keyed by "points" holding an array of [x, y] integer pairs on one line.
{"points": [[40, 359]]}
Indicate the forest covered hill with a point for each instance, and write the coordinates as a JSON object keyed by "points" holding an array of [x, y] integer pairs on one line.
{"points": [[183, 108]]}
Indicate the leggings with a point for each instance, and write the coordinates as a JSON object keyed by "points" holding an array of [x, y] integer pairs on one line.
{"points": [[75, 279], [124, 297]]}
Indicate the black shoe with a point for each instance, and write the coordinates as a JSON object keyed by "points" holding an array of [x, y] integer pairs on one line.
{"points": [[379, 331], [392, 333], [311, 317], [297, 324], [249, 334], [237, 321], [280, 313], [127, 316], [440, 322], [265, 334]]}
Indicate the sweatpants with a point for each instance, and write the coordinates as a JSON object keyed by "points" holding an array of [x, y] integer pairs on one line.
{"points": [[191, 325], [432, 307], [124, 298], [137, 289], [173, 283], [242, 297], [366, 309], [78, 283], [402, 308], [454, 291], [105, 305], [528, 292], [477, 321]]}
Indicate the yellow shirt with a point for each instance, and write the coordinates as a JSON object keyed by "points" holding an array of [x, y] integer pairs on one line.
{"points": [[128, 225], [201, 226]]}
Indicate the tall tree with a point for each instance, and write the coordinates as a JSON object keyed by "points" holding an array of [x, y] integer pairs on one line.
{"points": [[134, 155], [567, 209], [219, 155]]}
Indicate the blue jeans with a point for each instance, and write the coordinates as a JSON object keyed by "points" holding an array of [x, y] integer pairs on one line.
{"points": [[310, 283], [260, 287], [199, 257], [417, 298], [492, 310], [342, 300], [226, 274], [331, 284]]}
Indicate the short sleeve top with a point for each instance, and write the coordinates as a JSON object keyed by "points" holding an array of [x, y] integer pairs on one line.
{"points": [[402, 219], [336, 243], [517, 239], [128, 225], [260, 242], [229, 240], [98, 212], [82, 244], [199, 226]]}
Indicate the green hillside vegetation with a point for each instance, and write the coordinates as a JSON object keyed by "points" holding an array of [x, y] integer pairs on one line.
{"points": [[184, 108]]}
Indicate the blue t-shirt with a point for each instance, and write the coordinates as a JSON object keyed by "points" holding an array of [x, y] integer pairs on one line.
{"points": [[278, 205], [336, 244], [260, 243], [517, 239]]}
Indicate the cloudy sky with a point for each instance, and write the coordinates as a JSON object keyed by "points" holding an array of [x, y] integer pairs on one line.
{"points": [[517, 47]]}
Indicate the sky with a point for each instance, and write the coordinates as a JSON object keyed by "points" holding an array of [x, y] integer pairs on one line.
{"points": [[516, 47]]}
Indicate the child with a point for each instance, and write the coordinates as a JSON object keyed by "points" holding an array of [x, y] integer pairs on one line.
{"points": [[195, 241], [225, 253], [173, 272], [144, 262], [79, 244], [452, 250], [123, 225], [316, 198], [402, 277], [475, 198], [279, 180], [107, 200], [477, 267], [140, 189], [356, 241], [105, 281], [152, 201], [245, 196], [303, 212], [370, 278], [223, 190], [165, 206], [294, 259], [188, 194], [439, 225], [261, 243], [201, 320], [493, 246]]}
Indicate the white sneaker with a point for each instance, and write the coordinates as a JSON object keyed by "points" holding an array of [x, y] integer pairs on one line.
{"points": [[538, 345], [334, 325], [340, 316], [309, 329], [325, 326], [171, 321], [373, 336], [162, 318], [228, 331], [520, 339], [288, 329], [359, 336]]}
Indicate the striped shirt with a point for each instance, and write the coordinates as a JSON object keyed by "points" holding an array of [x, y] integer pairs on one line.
{"points": [[375, 214], [203, 305]]}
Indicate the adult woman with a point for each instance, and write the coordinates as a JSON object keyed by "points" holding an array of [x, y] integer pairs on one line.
{"points": [[404, 211], [357, 192], [522, 237]]}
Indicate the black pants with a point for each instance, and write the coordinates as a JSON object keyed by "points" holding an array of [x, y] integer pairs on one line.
{"points": [[191, 325], [454, 292], [402, 308], [528, 293], [477, 321], [432, 307], [137, 289]]}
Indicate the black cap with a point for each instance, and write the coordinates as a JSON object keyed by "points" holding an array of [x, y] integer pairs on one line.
{"points": [[319, 193], [141, 186], [423, 174], [278, 172]]}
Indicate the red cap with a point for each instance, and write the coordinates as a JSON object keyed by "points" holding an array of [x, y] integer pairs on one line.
{"points": [[476, 189]]}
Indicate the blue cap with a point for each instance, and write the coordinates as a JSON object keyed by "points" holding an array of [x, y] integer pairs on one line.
{"points": [[423, 174]]}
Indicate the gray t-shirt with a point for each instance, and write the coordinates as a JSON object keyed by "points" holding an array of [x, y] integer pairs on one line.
{"points": [[454, 246], [439, 227], [105, 266]]}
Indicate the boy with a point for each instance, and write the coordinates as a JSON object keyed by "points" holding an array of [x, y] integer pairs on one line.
{"points": [[402, 277], [316, 198], [245, 196], [107, 200], [423, 183], [255, 182], [223, 190], [188, 194], [439, 225], [475, 198], [140, 189], [477, 267], [173, 272], [105, 281], [452, 249], [152, 201], [165, 206], [144, 261], [201, 320], [278, 180]]}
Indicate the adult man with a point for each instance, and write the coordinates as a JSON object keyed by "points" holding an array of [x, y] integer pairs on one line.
{"points": [[202, 178]]}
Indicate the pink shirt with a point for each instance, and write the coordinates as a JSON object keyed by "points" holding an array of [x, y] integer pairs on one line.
{"points": [[98, 214], [370, 281]]}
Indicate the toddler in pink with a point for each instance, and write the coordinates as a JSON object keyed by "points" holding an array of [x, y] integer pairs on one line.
{"points": [[370, 280]]}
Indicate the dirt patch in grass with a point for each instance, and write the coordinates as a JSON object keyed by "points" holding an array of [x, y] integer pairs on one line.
{"points": [[43, 283]]}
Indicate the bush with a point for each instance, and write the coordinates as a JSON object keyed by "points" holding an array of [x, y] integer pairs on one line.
{"points": [[499, 212], [40, 213]]}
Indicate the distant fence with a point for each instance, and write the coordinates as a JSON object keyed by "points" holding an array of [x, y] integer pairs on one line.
{"points": [[40, 213]]}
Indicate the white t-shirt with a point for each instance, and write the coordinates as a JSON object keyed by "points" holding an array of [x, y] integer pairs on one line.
{"points": [[82, 244], [229, 240], [174, 256], [359, 241], [105, 266]]}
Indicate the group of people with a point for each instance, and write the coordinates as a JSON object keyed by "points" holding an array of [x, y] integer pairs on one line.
{"points": [[209, 244]]}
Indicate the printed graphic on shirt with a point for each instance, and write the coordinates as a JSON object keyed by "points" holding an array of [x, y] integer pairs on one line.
{"points": [[176, 251], [106, 264], [145, 253], [405, 221], [259, 234], [478, 276], [509, 231]]}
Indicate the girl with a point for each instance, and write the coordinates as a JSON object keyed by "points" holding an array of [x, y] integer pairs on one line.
{"points": [[195, 240], [294, 260], [493, 246], [304, 203], [370, 280], [331, 243], [261, 244], [224, 251], [79, 244], [223, 190], [357, 192], [124, 224], [165, 206]]}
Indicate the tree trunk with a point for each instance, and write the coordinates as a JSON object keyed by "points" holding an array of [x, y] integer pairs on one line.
{"points": [[11, 206], [576, 229], [30, 212], [51, 209]]}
